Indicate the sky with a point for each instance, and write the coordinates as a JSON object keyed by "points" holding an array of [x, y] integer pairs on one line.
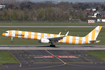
{"points": [[70, 0]]}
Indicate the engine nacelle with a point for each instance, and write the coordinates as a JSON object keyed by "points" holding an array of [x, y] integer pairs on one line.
{"points": [[44, 40]]}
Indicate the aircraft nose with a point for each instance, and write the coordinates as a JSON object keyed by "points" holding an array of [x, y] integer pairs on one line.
{"points": [[3, 34]]}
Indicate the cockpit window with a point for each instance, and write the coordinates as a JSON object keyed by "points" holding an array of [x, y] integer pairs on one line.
{"points": [[6, 32]]}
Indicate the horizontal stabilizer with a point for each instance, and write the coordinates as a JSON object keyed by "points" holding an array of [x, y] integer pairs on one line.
{"points": [[94, 41]]}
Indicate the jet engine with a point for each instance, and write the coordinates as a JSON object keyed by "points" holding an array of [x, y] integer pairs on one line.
{"points": [[44, 40]]}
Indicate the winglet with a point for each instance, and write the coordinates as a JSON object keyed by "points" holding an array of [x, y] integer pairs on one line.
{"points": [[59, 33], [66, 33]]}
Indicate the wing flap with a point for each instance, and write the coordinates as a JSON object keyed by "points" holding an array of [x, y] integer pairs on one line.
{"points": [[58, 38], [55, 38]]}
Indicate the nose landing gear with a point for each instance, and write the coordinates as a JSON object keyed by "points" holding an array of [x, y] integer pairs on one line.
{"points": [[11, 39]]}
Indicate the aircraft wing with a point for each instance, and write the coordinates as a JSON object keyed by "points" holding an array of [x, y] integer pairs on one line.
{"points": [[58, 38]]}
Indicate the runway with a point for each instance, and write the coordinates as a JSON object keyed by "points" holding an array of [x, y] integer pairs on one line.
{"points": [[22, 47], [53, 58], [29, 62], [48, 26]]}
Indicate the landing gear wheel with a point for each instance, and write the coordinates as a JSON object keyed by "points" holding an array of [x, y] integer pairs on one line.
{"points": [[52, 46], [11, 41]]}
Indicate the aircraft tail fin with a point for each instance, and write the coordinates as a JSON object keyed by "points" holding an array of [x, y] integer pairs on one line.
{"points": [[93, 34]]}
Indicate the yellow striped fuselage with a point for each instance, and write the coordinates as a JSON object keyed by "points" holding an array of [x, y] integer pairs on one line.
{"points": [[50, 38], [39, 36]]}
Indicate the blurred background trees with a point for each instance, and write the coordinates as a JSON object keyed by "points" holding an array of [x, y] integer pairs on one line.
{"points": [[25, 10]]}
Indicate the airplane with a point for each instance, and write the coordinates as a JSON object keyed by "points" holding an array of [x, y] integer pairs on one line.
{"points": [[52, 38]]}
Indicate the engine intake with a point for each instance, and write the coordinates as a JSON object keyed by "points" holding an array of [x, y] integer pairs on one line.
{"points": [[44, 40]]}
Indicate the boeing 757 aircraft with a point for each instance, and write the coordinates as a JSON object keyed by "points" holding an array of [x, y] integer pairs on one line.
{"points": [[51, 38]]}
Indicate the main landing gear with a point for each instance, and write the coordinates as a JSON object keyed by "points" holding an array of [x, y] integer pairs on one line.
{"points": [[52, 44]]}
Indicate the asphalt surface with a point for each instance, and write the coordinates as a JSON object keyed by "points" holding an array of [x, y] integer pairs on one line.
{"points": [[64, 47], [49, 26], [29, 62]]}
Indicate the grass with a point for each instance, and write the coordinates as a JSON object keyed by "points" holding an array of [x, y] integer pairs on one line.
{"points": [[73, 32], [98, 54], [6, 58], [0, 64], [48, 24]]}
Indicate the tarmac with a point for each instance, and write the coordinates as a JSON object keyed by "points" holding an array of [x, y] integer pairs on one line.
{"points": [[48, 26], [53, 59], [58, 47]]}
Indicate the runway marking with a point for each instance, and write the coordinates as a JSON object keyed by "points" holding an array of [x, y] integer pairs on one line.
{"points": [[55, 56], [60, 62], [47, 62], [48, 26], [67, 57], [44, 67], [44, 57], [4, 47], [24, 47], [38, 55], [80, 62], [50, 55], [84, 65]]}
